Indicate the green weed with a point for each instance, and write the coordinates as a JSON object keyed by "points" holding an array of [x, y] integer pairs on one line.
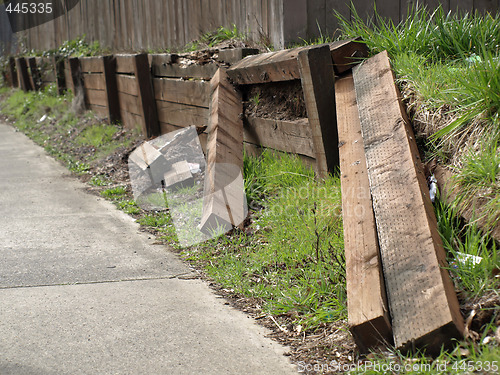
{"points": [[97, 135], [118, 192]]}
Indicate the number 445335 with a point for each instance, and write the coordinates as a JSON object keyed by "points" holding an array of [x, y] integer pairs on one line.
{"points": [[33, 8]]}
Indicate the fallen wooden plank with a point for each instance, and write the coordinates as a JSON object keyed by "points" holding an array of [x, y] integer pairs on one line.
{"points": [[318, 84], [22, 74], [294, 137], [223, 203], [368, 315], [13, 81], [282, 65], [163, 66], [184, 92], [421, 296]]}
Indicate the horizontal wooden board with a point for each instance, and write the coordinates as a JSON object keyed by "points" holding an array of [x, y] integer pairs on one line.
{"points": [[125, 64], [289, 136], [184, 92], [283, 65], [91, 64], [161, 66], [129, 103], [181, 115], [94, 81], [127, 84], [131, 121], [100, 110], [96, 97]]}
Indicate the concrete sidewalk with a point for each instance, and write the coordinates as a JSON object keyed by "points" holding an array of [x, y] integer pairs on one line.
{"points": [[82, 291]]}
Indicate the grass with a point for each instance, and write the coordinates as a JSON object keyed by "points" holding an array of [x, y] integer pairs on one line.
{"points": [[293, 263]]}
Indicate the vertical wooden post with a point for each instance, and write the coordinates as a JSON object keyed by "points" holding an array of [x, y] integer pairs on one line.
{"points": [[77, 80], [111, 89], [12, 72], [35, 78], [146, 95], [318, 84], [22, 74], [58, 65]]}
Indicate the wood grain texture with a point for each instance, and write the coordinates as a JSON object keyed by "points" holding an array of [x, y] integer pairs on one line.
{"points": [[183, 92], [181, 115], [94, 81], [421, 296], [125, 64], [288, 136], [111, 89], [35, 78], [221, 204], [283, 66], [368, 314], [318, 82], [77, 81], [127, 84], [91, 64]]}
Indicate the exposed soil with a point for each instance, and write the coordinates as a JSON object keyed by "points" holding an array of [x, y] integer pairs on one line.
{"points": [[277, 101]]}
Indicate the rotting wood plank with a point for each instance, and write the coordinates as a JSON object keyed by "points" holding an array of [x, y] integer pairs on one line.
{"points": [[223, 205], [34, 73], [294, 137], [318, 84], [181, 115], [22, 74], [282, 65], [421, 296], [14, 82], [110, 87], [146, 95], [183, 92], [368, 315], [163, 66]]}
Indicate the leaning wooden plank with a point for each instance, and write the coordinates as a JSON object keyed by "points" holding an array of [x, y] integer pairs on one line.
{"points": [[22, 74], [12, 72], [77, 83], [146, 95], [282, 65], [223, 206], [318, 84], [422, 300], [165, 66], [294, 137], [184, 92], [368, 315]]}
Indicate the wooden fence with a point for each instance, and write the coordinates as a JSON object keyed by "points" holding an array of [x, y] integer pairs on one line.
{"points": [[133, 25]]}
